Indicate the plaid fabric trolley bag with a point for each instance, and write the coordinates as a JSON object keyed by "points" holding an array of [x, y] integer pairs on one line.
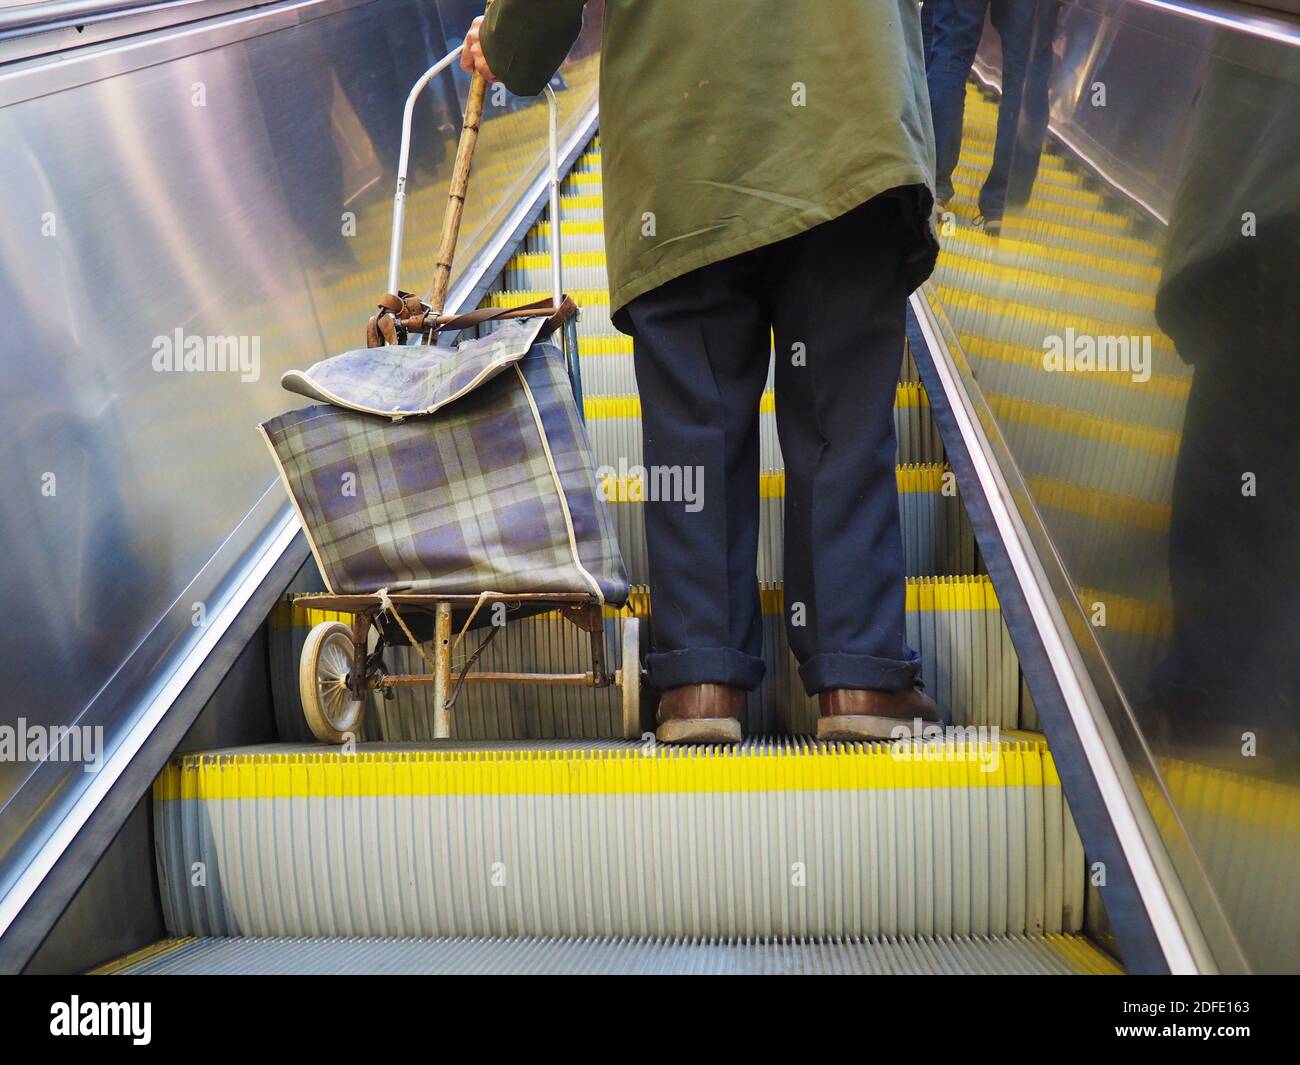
{"points": [[431, 481]]}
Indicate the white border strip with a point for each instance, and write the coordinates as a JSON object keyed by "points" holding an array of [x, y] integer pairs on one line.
{"points": [[1163, 900]]}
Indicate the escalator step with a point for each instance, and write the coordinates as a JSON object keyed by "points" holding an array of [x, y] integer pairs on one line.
{"points": [[903, 956], [773, 838]]}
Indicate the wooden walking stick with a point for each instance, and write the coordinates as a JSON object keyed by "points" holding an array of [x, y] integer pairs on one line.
{"points": [[456, 193]]}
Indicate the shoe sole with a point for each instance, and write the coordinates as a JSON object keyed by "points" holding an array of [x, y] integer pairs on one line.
{"points": [[861, 727], [699, 730]]}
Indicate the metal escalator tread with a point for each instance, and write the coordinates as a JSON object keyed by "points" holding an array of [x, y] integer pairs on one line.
{"points": [[895, 956]]}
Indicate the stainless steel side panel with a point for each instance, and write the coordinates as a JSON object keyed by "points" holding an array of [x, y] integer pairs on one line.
{"points": [[1153, 219], [223, 185]]}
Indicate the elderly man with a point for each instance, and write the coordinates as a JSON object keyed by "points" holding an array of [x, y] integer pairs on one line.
{"points": [[767, 172]]}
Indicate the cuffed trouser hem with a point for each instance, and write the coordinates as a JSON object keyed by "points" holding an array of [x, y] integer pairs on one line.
{"points": [[859, 671], [708, 665]]}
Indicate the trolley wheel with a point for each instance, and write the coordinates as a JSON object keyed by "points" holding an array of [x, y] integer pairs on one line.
{"points": [[333, 713], [630, 677]]}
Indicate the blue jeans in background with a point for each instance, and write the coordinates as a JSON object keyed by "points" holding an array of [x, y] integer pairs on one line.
{"points": [[957, 27]]}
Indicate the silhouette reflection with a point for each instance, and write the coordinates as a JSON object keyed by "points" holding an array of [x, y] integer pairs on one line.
{"points": [[1151, 206], [1226, 297]]}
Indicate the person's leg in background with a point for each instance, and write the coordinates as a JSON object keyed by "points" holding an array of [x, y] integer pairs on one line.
{"points": [[1035, 107], [957, 28], [839, 294], [1014, 21], [701, 346]]}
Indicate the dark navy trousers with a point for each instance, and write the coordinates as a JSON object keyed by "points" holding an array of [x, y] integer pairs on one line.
{"points": [[834, 298]]}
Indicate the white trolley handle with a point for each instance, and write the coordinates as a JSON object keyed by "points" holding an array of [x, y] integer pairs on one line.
{"points": [[399, 197]]}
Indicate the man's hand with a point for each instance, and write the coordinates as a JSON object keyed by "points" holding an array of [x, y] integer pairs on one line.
{"points": [[471, 57]]}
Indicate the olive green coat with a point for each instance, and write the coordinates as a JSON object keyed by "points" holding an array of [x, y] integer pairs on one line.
{"points": [[727, 125]]}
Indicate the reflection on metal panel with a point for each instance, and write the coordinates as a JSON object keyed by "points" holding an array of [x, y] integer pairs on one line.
{"points": [[188, 214], [1119, 243]]}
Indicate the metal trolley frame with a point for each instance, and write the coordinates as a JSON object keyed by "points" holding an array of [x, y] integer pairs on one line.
{"points": [[341, 665]]}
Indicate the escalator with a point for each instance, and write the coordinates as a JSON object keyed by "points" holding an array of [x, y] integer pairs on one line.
{"points": [[157, 594], [543, 839]]}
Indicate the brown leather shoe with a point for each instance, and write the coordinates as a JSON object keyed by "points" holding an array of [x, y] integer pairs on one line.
{"points": [[857, 714], [700, 713]]}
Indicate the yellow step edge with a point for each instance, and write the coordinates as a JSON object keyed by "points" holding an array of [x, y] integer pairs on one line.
{"points": [[973, 153], [618, 344], [924, 594], [1046, 208], [1011, 250], [583, 228], [583, 297], [1081, 955], [542, 260], [1022, 735], [977, 164], [908, 394], [1138, 616], [1040, 232], [333, 774], [1022, 279], [1159, 384], [1061, 194], [1047, 318], [1100, 506], [1108, 431], [589, 201], [155, 950], [912, 478], [1224, 793], [289, 615]]}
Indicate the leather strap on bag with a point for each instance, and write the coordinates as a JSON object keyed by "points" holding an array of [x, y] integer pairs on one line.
{"points": [[402, 314], [555, 316], [388, 325]]}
